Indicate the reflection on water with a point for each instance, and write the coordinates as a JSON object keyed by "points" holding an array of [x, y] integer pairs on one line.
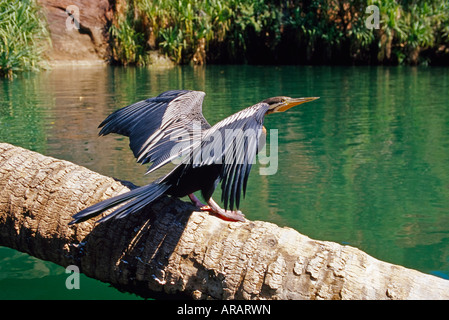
{"points": [[365, 165]]}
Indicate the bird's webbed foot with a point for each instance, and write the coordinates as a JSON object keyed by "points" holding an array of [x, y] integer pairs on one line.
{"points": [[235, 215], [213, 207]]}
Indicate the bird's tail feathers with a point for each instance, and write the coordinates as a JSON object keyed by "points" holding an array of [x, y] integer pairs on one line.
{"points": [[132, 201]]}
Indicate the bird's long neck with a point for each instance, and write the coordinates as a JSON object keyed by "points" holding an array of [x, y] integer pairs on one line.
{"points": [[262, 138]]}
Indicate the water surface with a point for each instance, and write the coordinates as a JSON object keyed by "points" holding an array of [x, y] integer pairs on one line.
{"points": [[366, 165]]}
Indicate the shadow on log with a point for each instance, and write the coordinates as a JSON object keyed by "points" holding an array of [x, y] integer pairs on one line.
{"points": [[170, 251]]}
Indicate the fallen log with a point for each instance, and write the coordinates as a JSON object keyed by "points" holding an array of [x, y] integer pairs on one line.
{"points": [[169, 250]]}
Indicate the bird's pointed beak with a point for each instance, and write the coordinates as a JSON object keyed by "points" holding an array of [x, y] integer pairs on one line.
{"points": [[292, 102]]}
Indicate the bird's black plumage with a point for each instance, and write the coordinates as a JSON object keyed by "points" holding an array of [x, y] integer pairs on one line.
{"points": [[221, 153], [155, 124]]}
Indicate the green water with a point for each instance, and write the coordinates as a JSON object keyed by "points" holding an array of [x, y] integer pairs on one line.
{"points": [[366, 165]]}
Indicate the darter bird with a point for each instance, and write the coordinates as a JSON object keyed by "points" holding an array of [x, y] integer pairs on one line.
{"points": [[171, 127]]}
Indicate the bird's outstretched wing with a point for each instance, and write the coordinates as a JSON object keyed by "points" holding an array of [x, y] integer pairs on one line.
{"points": [[234, 143], [156, 124]]}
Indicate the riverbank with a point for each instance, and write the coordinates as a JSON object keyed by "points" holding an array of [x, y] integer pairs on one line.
{"points": [[169, 32]]}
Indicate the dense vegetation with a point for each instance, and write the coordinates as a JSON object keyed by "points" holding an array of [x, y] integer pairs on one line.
{"points": [[274, 31], [246, 31], [23, 36]]}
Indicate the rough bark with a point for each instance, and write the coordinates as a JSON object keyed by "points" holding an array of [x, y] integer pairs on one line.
{"points": [[169, 250]]}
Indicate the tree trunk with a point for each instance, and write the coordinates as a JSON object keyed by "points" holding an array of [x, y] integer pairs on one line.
{"points": [[169, 250]]}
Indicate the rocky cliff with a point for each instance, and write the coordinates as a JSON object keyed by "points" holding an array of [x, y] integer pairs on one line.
{"points": [[78, 30]]}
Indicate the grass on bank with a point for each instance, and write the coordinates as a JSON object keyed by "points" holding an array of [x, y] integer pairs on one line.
{"points": [[245, 31], [23, 37], [293, 31]]}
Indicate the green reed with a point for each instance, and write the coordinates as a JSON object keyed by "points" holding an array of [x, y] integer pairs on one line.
{"points": [[23, 37], [293, 31]]}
